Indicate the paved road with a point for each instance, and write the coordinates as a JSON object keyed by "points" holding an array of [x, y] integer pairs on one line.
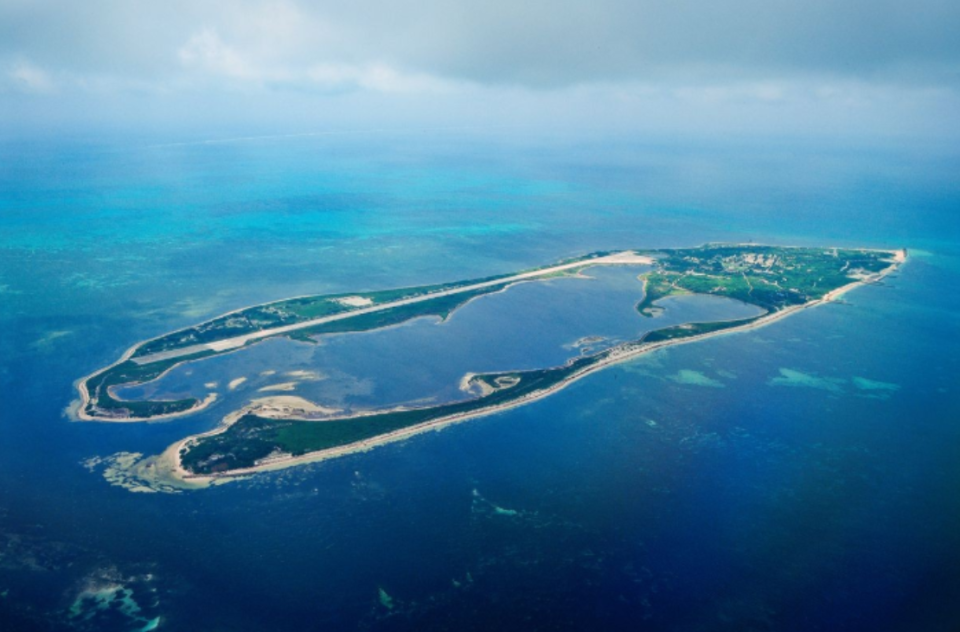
{"points": [[620, 258]]}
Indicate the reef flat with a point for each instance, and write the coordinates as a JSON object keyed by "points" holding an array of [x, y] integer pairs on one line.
{"points": [[779, 280]]}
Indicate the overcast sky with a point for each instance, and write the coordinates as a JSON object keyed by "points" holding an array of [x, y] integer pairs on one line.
{"points": [[790, 66]]}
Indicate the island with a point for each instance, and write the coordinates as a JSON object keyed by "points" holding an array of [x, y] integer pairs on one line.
{"points": [[779, 280]]}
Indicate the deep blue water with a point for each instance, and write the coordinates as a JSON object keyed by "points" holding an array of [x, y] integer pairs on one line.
{"points": [[804, 476]]}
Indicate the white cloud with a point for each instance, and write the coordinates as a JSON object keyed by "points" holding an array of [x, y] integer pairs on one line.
{"points": [[641, 64], [27, 77], [207, 52], [376, 77]]}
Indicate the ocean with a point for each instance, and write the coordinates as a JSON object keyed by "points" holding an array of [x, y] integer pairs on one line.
{"points": [[798, 477]]}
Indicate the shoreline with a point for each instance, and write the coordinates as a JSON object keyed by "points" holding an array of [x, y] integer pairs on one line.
{"points": [[236, 342], [177, 476], [230, 345], [78, 413]]}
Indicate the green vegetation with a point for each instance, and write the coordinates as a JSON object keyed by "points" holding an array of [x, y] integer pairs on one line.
{"points": [[771, 278], [129, 372], [690, 330], [441, 306], [293, 311], [767, 276], [252, 438]]}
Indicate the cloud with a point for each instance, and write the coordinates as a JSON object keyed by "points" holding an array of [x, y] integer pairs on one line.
{"points": [[827, 64], [535, 43], [377, 77], [207, 52], [26, 77]]}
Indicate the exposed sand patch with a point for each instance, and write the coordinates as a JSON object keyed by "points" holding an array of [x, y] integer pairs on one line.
{"points": [[284, 386], [211, 384], [354, 301], [287, 406], [465, 385], [586, 341], [859, 274], [470, 383], [474, 384], [506, 381], [627, 257], [305, 375], [617, 355], [165, 470], [119, 417], [173, 472], [70, 412], [227, 344], [267, 372], [235, 383]]}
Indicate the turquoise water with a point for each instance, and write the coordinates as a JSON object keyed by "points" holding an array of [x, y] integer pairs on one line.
{"points": [[802, 476]]}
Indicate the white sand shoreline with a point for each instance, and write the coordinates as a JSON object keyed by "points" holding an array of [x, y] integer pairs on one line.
{"points": [[233, 344], [168, 470]]}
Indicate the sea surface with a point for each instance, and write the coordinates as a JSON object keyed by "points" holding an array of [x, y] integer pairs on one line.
{"points": [[802, 476]]}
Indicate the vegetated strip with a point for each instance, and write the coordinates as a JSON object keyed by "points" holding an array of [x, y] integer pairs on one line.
{"points": [[97, 403], [252, 439], [255, 443], [238, 328]]}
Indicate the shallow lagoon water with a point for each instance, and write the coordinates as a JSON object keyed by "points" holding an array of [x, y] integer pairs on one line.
{"points": [[641, 497], [529, 326]]}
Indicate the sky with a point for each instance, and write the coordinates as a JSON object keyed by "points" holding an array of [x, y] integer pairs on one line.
{"points": [[791, 67]]}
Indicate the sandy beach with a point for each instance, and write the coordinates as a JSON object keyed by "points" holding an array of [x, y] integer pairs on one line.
{"points": [[620, 258], [175, 474], [233, 344]]}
